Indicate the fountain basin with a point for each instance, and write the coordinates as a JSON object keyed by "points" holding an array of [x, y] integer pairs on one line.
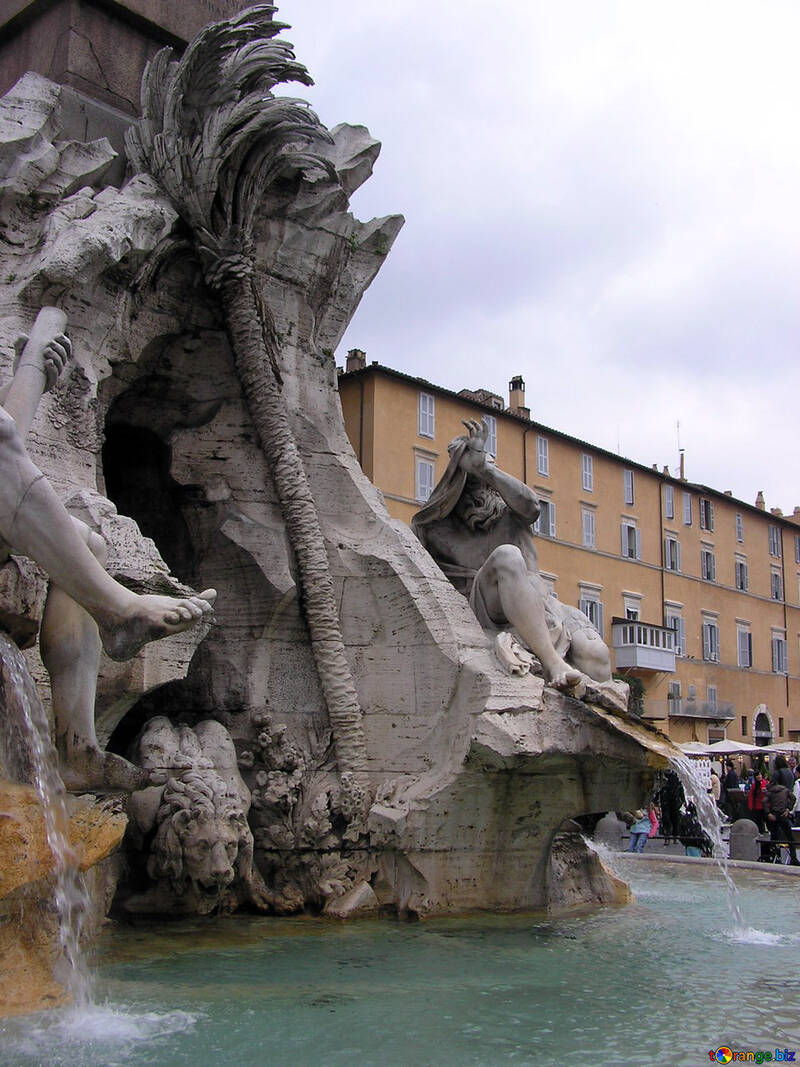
{"points": [[667, 979]]}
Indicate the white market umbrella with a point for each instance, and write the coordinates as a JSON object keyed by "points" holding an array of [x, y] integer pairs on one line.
{"points": [[693, 748], [785, 746], [728, 748]]}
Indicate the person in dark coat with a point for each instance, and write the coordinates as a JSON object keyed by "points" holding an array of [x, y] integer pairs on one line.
{"points": [[671, 799], [779, 802]]}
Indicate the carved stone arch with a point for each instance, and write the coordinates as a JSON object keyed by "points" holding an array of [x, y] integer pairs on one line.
{"points": [[763, 725]]}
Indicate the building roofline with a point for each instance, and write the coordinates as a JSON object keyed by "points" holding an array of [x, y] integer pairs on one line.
{"points": [[668, 479]]}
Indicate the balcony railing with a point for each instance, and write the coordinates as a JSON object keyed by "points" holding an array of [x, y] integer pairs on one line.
{"points": [[643, 645], [681, 708]]}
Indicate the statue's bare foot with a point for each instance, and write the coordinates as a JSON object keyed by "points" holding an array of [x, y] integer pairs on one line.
{"points": [[151, 617], [89, 768], [563, 677]]}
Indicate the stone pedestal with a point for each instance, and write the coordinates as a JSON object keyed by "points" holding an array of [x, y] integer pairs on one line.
{"points": [[743, 843]]}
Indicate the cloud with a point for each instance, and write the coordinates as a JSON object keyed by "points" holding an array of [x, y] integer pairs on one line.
{"points": [[601, 196]]}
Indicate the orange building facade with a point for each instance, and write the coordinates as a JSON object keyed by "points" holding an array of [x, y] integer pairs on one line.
{"points": [[696, 593]]}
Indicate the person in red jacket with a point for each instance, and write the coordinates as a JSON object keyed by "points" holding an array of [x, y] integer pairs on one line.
{"points": [[756, 801]]}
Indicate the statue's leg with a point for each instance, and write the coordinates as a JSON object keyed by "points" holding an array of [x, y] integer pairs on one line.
{"points": [[511, 594], [70, 647], [589, 653], [35, 522]]}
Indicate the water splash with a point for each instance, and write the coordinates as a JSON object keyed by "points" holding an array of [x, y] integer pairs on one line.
{"points": [[37, 763], [694, 786]]}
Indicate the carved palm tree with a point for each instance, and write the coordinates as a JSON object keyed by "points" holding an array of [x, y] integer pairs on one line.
{"points": [[216, 139]]}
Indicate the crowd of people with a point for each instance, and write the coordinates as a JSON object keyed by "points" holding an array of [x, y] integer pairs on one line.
{"points": [[770, 798]]}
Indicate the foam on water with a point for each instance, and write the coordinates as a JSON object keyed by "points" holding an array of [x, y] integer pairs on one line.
{"points": [[748, 935], [95, 1034]]}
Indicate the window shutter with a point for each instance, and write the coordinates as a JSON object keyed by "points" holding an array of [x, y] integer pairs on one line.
{"points": [[712, 566], [624, 539], [552, 519], [677, 555], [706, 642], [638, 535], [682, 635], [711, 514]]}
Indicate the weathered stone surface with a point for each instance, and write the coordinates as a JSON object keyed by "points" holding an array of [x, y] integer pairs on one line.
{"points": [[578, 878], [472, 771], [743, 844], [23, 590], [28, 923]]}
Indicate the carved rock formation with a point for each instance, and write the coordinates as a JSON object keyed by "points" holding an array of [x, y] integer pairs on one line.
{"points": [[472, 771]]}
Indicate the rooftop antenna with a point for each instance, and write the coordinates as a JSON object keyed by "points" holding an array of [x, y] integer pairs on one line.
{"points": [[681, 463]]}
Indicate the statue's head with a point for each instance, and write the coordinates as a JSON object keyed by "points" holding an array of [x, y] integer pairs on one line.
{"points": [[202, 831], [479, 506]]}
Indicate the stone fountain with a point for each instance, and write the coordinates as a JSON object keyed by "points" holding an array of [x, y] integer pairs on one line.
{"points": [[343, 736]]}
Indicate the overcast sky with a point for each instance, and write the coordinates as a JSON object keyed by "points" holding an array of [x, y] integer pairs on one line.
{"points": [[601, 196]]}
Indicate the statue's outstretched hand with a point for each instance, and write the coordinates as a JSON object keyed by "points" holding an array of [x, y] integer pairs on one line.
{"points": [[475, 459], [55, 356]]}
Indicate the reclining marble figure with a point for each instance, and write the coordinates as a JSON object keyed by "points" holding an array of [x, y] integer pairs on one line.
{"points": [[477, 525], [85, 606]]}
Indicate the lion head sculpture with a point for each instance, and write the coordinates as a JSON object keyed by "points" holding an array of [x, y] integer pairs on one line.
{"points": [[189, 825]]}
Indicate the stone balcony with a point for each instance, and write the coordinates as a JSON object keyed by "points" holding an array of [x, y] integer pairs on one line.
{"points": [[643, 645]]}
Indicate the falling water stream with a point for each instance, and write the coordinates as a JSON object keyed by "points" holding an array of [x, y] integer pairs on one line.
{"points": [[30, 755], [694, 787]]}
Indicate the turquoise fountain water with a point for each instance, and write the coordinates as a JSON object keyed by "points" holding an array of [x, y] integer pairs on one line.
{"points": [[666, 979]]}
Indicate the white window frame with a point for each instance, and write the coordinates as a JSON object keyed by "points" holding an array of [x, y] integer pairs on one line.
{"points": [[588, 528], [626, 540], [591, 605], [741, 573], [780, 662], [708, 564], [739, 528], [669, 502], [775, 584], [426, 415], [425, 479], [491, 439], [587, 472], [744, 646], [627, 486], [710, 633], [774, 540], [547, 515], [672, 618], [543, 456], [672, 553], [687, 509], [706, 508]]}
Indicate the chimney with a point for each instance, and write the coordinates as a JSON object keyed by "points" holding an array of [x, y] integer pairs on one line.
{"points": [[728, 492], [682, 465], [760, 501], [516, 397], [777, 512], [356, 360]]}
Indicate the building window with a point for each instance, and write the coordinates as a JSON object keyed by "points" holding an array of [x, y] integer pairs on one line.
{"points": [[779, 665], [669, 502], [710, 641], [587, 473], [744, 726], [677, 624], [545, 525], [674, 697], [797, 548], [706, 513], [776, 584], [587, 518], [427, 409], [426, 479], [631, 541], [491, 440], [739, 527], [780, 726], [708, 565], [687, 509], [627, 483], [742, 575], [672, 553], [744, 646], [711, 698], [592, 608], [774, 541], [543, 455]]}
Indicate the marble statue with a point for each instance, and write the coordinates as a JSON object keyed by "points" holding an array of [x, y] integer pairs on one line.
{"points": [[85, 607], [191, 823], [477, 525]]}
